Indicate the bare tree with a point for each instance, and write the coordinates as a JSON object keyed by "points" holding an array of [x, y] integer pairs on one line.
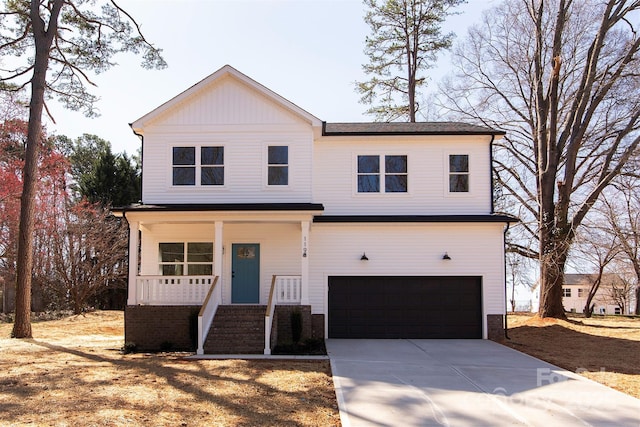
{"points": [[621, 208], [404, 42], [595, 249], [89, 254], [618, 292], [517, 269], [562, 78], [55, 44]]}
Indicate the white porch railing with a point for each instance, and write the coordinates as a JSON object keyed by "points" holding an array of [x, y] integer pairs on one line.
{"points": [[288, 290], [207, 313], [284, 290], [172, 290]]}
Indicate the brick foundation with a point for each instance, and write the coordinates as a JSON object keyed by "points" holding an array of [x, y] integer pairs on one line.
{"points": [[283, 320], [153, 328], [495, 327], [317, 326]]}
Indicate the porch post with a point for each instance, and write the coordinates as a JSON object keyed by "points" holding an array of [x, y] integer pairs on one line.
{"points": [[217, 256], [304, 267], [134, 229]]}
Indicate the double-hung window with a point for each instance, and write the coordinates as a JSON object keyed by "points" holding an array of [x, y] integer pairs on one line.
{"points": [[190, 258], [382, 174], [202, 165], [566, 292], [459, 173], [278, 165]]}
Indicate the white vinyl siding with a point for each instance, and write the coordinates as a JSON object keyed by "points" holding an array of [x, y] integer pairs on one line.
{"points": [[408, 250], [335, 176], [245, 169]]}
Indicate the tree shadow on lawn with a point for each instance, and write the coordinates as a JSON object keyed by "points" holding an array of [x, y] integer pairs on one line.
{"points": [[262, 404], [579, 322], [577, 351]]}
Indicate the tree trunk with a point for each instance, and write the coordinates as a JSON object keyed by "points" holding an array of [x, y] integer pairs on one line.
{"points": [[551, 281], [43, 39], [554, 250], [638, 299]]}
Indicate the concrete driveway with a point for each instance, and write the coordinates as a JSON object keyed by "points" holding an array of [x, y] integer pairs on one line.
{"points": [[465, 383]]}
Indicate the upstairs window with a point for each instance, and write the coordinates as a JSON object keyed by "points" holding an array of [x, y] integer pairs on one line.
{"points": [[278, 165], [184, 166], [389, 176], [395, 178], [212, 165], [191, 258], [188, 161], [566, 292], [459, 173], [368, 174]]}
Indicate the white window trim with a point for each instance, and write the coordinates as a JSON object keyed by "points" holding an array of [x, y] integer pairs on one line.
{"points": [[447, 173], [265, 166], [381, 155], [197, 186], [185, 264]]}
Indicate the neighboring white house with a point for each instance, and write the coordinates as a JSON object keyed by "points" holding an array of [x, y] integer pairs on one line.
{"points": [[377, 230], [576, 290]]}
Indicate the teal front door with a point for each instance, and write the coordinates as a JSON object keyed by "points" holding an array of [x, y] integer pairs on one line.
{"points": [[245, 273]]}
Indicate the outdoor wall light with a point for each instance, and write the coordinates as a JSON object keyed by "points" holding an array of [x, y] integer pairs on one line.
{"points": [[446, 256], [364, 257]]}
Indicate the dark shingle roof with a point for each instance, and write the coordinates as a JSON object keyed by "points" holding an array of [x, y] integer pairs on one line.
{"points": [[403, 128]]}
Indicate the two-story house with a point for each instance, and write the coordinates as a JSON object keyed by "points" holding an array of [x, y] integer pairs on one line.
{"points": [[612, 297], [369, 230]]}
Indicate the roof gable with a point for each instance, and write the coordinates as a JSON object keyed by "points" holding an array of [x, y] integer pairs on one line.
{"points": [[218, 98]]}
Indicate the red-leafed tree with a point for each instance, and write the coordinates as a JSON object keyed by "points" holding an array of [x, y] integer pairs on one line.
{"points": [[12, 136], [50, 200], [54, 45]]}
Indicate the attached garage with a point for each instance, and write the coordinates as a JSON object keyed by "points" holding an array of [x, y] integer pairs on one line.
{"points": [[405, 307]]}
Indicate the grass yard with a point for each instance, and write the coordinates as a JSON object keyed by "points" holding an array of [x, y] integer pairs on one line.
{"points": [[73, 374], [603, 349]]}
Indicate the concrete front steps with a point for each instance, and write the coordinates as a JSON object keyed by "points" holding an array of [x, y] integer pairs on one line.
{"points": [[237, 329]]}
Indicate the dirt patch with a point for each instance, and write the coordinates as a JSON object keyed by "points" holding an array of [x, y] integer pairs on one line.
{"points": [[73, 373], [604, 349]]}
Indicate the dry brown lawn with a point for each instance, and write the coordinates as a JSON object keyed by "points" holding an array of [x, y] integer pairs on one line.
{"points": [[604, 349], [72, 373]]}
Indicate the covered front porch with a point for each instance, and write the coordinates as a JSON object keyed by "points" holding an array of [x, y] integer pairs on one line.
{"points": [[203, 260]]}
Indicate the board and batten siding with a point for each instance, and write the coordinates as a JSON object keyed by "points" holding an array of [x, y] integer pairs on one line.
{"points": [[245, 123], [335, 172], [408, 249]]}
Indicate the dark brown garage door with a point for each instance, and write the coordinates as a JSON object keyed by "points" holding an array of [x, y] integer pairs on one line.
{"points": [[405, 307]]}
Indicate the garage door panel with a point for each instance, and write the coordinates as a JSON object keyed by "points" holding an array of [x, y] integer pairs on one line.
{"points": [[405, 307]]}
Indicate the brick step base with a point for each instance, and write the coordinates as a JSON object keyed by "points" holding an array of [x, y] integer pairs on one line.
{"points": [[237, 329]]}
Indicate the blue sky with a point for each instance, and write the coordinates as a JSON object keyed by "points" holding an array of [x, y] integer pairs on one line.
{"points": [[308, 51]]}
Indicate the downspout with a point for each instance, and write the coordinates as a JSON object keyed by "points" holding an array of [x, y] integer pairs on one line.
{"points": [[491, 181], [141, 136], [504, 245], [504, 237]]}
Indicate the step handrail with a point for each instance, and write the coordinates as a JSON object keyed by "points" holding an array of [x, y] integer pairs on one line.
{"points": [[207, 313], [268, 317]]}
